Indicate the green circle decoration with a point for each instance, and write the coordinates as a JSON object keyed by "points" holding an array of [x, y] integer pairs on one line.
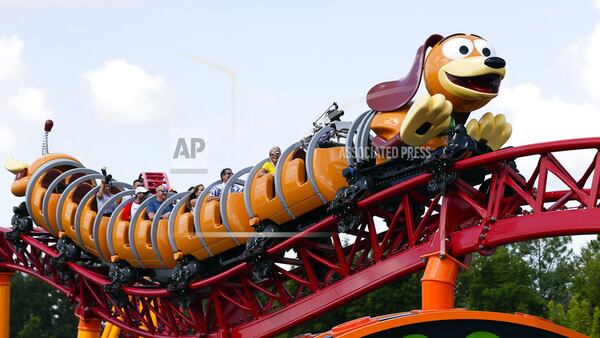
{"points": [[482, 334]]}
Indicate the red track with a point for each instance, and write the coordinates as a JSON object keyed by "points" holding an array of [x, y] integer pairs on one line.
{"points": [[325, 276]]}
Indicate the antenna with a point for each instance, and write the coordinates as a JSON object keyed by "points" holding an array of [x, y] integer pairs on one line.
{"points": [[331, 114], [47, 128]]}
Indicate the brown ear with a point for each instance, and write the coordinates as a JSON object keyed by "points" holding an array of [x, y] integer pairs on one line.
{"points": [[391, 95]]}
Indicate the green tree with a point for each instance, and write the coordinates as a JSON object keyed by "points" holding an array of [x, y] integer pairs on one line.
{"points": [[36, 305], [587, 280], [33, 328], [595, 331], [582, 313], [502, 282], [553, 266], [577, 316], [557, 313]]}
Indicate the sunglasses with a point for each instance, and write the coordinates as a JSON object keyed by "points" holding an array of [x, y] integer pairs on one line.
{"points": [[228, 174], [275, 154], [161, 191]]}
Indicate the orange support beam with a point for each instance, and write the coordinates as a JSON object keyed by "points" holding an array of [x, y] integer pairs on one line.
{"points": [[5, 303], [437, 284], [111, 331], [89, 328]]}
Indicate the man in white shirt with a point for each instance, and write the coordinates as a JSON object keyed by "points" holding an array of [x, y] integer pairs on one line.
{"points": [[217, 190]]}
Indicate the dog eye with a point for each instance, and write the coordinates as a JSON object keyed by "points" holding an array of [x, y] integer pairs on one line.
{"points": [[484, 48], [457, 48]]}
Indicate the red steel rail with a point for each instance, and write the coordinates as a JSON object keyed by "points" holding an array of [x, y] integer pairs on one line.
{"points": [[329, 271]]}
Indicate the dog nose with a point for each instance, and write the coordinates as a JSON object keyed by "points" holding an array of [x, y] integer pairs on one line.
{"points": [[495, 62]]}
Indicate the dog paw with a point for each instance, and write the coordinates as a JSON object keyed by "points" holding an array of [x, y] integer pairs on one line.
{"points": [[428, 117], [491, 130]]}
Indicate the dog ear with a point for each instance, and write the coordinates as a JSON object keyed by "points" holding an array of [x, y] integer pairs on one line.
{"points": [[391, 95]]}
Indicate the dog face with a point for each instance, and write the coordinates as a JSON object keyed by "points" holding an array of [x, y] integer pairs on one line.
{"points": [[466, 69]]}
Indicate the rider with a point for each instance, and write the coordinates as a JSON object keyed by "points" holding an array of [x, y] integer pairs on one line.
{"points": [[269, 166]]}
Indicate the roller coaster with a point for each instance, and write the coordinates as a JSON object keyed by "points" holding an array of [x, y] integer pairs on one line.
{"points": [[404, 187]]}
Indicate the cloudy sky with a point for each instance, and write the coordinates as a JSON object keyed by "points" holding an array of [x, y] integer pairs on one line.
{"points": [[123, 79]]}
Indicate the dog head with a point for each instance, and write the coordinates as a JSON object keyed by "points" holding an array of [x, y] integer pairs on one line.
{"points": [[23, 172], [464, 68]]}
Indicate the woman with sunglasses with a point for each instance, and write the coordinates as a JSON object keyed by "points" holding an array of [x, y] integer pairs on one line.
{"points": [[269, 167]]}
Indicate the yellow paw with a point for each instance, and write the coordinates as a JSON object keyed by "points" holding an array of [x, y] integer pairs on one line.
{"points": [[428, 117], [15, 166], [490, 129]]}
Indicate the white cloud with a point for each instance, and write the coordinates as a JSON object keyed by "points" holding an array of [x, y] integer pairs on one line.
{"points": [[30, 104], [19, 102], [583, 56], [10, 58], [7, 141], [123, 93], [538, 118]]}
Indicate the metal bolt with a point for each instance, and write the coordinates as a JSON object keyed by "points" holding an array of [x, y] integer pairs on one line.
{"points": [[482, 236], [493, 219], [486, 228], [481, 247]]}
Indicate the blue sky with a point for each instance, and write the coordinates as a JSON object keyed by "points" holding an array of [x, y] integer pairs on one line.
{"points": [[119, 77]]}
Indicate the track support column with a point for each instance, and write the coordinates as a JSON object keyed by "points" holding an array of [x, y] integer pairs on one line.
{"points": [[437, 284], [89, 328], [5, 303], [111, 331]]}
